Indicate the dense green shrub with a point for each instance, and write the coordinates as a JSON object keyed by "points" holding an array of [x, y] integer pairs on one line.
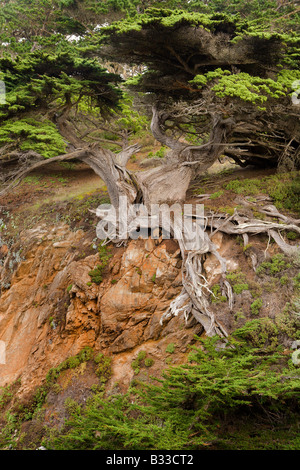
{"points": [[185, 408], [284, 189]]}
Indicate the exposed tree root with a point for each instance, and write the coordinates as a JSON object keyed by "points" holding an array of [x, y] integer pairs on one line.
{"points": [[195, 287], [194, 297], [165, 185]]}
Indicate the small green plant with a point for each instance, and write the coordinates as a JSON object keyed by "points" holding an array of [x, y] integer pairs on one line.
{"points": [[292, 235], [149, 361], [72, 407], [67, 165], [104, 369], [170, 348], [255, 288], [246, 247], [283, 188], [256, 306], [284, 280], [69, 287], [287, 321], [276, 265], [239, 288], [237, 280], [217, 297], [32, 179], [216, 195], [96, 274], [136, 363], [296, 281], [5, 395], [239, 315], [52, 323], [104, 253], [227, 209], [161, 152]]}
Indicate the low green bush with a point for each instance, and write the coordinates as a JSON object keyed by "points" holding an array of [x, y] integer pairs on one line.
{"points": [[188, 406]]}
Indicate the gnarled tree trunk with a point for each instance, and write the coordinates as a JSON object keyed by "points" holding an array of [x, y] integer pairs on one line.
{"points": [[168, 183]]}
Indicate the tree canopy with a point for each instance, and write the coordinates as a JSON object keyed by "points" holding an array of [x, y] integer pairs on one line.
{"points": [[203, 65], [219, 77], [44, 92]]}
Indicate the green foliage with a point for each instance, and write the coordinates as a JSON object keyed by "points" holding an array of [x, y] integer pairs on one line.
{"points": [[256, 306], [41, 87], [296, 281], [183, 411], [249, 87], [5, 395], [237, 279], [284, 188], [71, 363], [165, 18], [239, 288], [287, 321], [138, 361], [104, 254], [104, 367], [260, 333], [41, 393], [246, 87], [284, 280], [128, 118], [277, 264], [96, 274], [217, 296], [170, 348], [159, 153], [149, 361], [41, 137], [245, 186], [292, 235], [38, 78], [8, 436], [216, 195]]}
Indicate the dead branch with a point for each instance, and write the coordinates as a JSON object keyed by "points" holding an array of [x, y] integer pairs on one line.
{"points": [[13, 178]]}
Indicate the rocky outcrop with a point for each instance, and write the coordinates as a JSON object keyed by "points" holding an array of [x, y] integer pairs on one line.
{"points": [[50, 309]]}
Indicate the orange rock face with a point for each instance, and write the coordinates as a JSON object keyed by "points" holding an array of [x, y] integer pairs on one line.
{"points": [[50, 309]]}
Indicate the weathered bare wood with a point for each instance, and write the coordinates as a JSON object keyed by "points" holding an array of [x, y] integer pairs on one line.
{"points": [[13, 179]]}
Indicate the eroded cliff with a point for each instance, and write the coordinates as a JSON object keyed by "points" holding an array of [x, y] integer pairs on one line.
{"points": [[50, 309]]}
